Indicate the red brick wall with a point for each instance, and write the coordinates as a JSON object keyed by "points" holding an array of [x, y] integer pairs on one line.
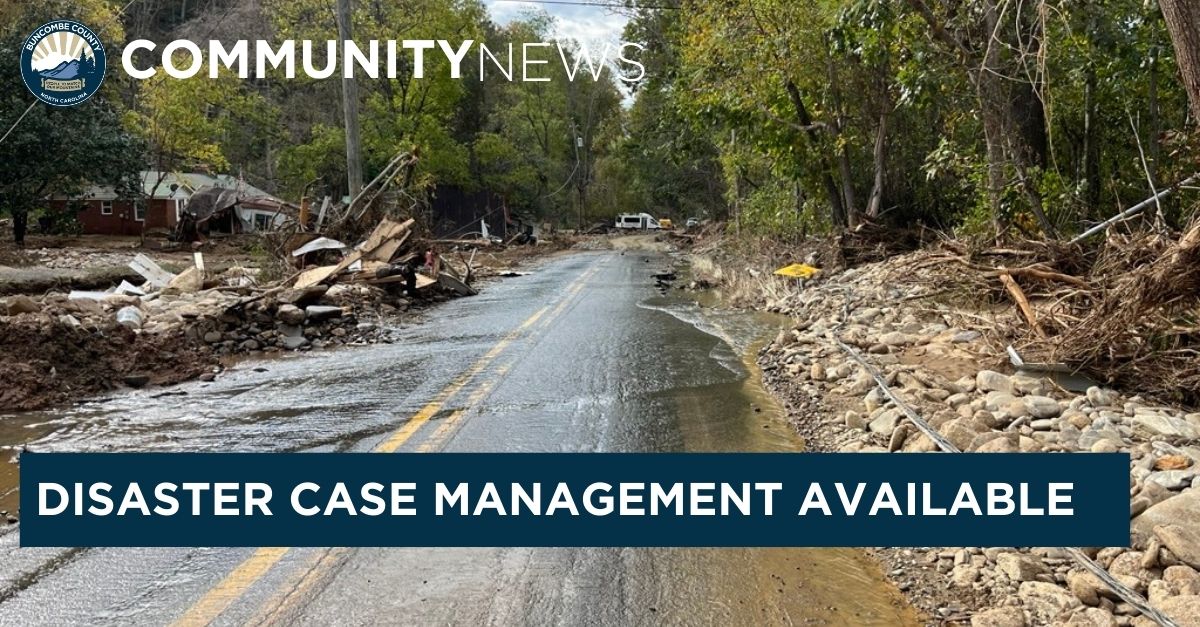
{"points": [[160, 214]]}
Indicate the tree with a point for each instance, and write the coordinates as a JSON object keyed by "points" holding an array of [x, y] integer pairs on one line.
{"points": [[1183, 21], [58, 150]]}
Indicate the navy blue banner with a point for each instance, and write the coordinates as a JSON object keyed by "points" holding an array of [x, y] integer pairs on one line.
{"points": [[577, 500]]}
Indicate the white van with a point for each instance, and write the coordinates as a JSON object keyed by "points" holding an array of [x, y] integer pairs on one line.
{"points": [[637, 221]]}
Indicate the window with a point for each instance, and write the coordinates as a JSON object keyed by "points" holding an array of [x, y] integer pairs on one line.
{"points": [[139, 211], [106, 207], [263, 222]]}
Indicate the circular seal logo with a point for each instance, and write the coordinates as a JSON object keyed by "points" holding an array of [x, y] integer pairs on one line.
{"points": [[63, 63]]}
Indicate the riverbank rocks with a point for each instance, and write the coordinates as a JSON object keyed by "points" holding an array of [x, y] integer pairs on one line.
{"points": [[936, 361], [290, 315], [999, 617], [991, 381]]}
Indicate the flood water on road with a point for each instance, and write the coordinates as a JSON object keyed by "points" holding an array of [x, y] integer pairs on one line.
{"points": [[587, 356]]}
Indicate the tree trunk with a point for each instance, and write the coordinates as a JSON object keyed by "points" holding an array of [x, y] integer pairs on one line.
{"points": [[20, 218], [1091, 147], [837, 209], [849, 197], [875, 204], [1183, 22]]}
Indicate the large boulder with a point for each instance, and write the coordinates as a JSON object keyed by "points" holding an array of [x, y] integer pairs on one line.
{"points": [[1182, 510], [1184, 542], [1184, 609]]}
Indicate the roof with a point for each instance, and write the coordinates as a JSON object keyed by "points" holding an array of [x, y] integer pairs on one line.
{"points": [[192, 181]]}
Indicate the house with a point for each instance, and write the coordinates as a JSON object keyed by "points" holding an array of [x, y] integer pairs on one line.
{"points": [[102, 211]]}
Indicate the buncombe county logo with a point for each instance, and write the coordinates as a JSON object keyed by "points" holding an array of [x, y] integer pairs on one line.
{"points": [[63, 63]]}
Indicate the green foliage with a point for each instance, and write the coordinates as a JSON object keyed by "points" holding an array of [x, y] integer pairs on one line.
{"points": [[53, 149]]}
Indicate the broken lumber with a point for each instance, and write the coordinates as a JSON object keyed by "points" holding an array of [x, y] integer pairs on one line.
{"points": [[152, 272]]}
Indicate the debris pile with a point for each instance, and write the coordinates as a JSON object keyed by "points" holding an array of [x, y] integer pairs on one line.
{"points": [[174, 327], [911, 318]]}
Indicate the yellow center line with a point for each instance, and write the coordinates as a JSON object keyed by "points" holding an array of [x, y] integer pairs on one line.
{"points": [[238, 581]]}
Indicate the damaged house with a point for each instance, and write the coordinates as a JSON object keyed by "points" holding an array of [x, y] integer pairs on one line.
{"points": [[166, 199]]}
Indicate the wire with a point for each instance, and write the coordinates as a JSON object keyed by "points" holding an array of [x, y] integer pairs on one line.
{"points": [[21, 117]]}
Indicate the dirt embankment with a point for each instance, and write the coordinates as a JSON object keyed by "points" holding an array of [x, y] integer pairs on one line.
{"points": [[939, 344]]}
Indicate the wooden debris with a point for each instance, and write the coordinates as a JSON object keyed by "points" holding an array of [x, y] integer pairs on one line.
{"points": [[1019, 296], [152, 272]]}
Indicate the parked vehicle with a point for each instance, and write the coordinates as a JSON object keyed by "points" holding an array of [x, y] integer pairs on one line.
{"points": [[643, 221], [692, 223], [666, 223]]}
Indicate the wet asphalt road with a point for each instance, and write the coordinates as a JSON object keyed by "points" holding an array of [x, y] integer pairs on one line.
{"points": [[584, 354]]}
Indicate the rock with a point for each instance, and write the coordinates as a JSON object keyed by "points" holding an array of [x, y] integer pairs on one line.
{"points": [[249, 345], [1099, 397], [1046, 601], [964, 575], [895, 338], [1162, 425], [1129, 565], [302, 297], [318, 313], [855, 420], [963, 337], [290, 314], [999, 617], [1092, 617], [1042, 407], [290, 330], [886, 422], [1105, 446], [186, 282], [1184, 609], [136, 380], [1172, 462], [212, 337], [957, 400], [1020, 567], [1172, 479], [991, 381], [960, 433], [20, 304], [1029, 385], [1085, 586], [817, 371], [1183, 541], [999, 401], [1183, 510], [293, 342], [1001, 444]]}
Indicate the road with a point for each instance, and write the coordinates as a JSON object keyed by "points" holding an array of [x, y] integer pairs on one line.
{"points": [[582, 354]]}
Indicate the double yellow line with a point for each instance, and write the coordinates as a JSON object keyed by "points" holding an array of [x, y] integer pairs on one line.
{"points": [[246, 574]]}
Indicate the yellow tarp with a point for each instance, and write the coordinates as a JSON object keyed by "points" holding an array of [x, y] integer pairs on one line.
{"points": [[797, 271]]}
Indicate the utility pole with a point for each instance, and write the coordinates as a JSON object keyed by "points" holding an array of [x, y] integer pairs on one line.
{"points": [[354, 173]]}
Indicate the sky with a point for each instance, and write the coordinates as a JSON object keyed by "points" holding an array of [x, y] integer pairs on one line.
{"points": [[589, 24]]}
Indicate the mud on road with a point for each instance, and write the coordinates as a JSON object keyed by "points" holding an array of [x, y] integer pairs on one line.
{"points": [[586, 353]]}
